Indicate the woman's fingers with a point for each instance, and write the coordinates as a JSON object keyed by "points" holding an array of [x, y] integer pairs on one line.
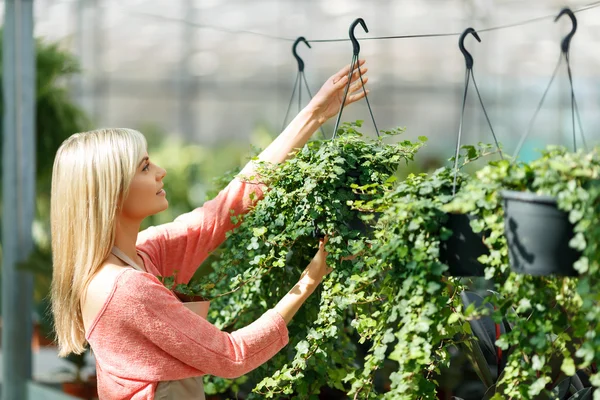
{"points": [[358, 85], [322, 244], [356, 75], [321, 252], [357, 91], [355, 97], [344, 71], [354, 79], [340, 83]]}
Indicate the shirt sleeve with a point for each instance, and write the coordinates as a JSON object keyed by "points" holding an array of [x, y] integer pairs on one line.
{"points": [[152, 322], [185, 243]]}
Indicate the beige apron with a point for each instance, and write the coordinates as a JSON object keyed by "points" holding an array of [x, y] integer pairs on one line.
{"points": [[183, 389]]}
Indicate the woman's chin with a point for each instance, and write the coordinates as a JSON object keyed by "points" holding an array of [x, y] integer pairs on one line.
{"points": [[164, 206]]}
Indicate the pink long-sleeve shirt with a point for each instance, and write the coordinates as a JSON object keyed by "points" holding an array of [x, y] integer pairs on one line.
{"points": [[143, 334]]}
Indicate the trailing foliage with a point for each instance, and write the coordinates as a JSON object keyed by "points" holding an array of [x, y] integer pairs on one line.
{"points": [[554, 319], [422, 314], [396, 301], [310, 195]]}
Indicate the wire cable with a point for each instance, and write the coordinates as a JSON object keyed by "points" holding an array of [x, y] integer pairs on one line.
{"points": [[410, 36]]}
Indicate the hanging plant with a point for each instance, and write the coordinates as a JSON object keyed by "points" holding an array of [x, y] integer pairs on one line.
{"points": [[310, 195], [461, 250], [422, 315], [552, 314]]}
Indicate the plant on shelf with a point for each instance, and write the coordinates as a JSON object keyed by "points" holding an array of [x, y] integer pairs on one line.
{"points": [[78, 387]]}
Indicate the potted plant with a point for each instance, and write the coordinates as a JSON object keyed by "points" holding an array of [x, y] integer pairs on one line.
{"points": [[424, 317], [538, 234], [553, 319], [539, 231], [489, 360], [462, 248], [315, 190], [192, 294], [78, 387], [540, 217]]}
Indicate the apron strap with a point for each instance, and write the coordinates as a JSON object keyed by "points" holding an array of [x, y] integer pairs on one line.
{"points": [[123, 257]]}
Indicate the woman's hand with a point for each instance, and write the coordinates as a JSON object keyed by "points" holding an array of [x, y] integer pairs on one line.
{"points": [[328, 100], [317, 268], [289, 305], [324, 105]]}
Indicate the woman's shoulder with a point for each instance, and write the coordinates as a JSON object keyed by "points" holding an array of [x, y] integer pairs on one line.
{"points": [[122, 294], [101, 289]]}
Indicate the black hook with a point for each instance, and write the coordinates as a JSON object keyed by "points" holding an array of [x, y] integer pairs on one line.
{"points": [[300, 62], [461, 46], [355, 44], [567, 40]]}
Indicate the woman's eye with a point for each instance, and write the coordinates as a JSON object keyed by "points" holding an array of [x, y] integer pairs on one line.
{"points": [[147, 167]]}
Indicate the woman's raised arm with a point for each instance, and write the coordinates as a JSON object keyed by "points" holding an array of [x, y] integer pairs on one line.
{"points": [[323, 106]]}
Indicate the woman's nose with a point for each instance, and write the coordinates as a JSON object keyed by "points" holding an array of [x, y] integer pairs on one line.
{"points": [[161, 173]]}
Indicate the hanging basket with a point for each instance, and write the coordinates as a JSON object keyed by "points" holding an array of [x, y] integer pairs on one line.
{"points": [[356, 222], [462, 249], [538, 235]]}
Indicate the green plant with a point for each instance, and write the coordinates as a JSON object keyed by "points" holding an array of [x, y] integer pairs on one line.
{"points": [[554, 322], [196, 288], [312, 194], [422, 316], [57, 117], [419, 300], [79, 362]]}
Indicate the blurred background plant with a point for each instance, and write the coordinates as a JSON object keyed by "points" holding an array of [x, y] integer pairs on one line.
{"points": [[57, 117]]}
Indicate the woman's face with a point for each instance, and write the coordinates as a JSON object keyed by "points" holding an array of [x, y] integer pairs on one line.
{"points": [[146, 194]]}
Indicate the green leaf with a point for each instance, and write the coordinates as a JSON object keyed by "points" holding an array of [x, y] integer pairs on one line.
{"points": [[537, 386], [454, 317], [568, 366], [467, 328], [259, 231]]}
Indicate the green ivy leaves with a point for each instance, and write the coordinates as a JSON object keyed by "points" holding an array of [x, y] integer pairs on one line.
{"points": [[317, 192], [394, 303]]}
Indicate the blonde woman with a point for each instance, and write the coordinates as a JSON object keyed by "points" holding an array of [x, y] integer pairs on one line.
{"points": [[104, 289]]}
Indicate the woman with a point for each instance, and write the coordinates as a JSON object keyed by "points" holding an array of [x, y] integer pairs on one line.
{"points": [[104, 288]]}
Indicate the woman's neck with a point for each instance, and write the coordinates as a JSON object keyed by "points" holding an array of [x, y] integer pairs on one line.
{"points": [[126, 237]]}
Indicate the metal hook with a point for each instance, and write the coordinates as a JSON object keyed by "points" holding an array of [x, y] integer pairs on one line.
{"points": [[567, 40], [300, 62], [461, 46], [353, 39]]}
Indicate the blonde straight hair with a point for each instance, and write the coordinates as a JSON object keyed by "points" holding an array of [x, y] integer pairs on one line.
{"points": [[90, 179]]}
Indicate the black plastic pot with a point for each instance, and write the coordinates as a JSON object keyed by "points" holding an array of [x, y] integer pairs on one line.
{"points": [[364, 227], [538, 235], [462, 249]]}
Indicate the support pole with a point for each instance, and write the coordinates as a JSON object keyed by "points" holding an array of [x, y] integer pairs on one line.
{"points": [[186, 88], [18, 194]]}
